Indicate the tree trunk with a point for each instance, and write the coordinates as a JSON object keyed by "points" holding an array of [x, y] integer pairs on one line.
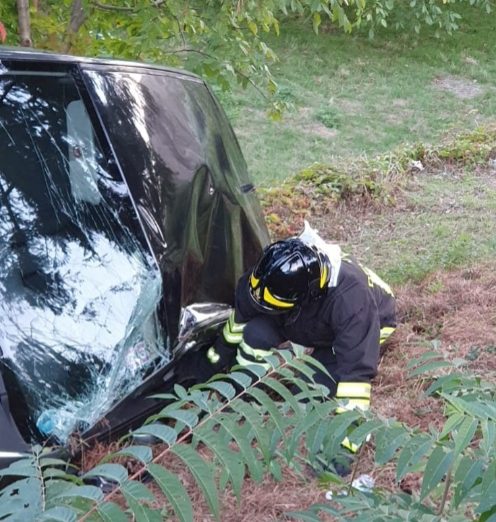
{"points": [[24, 23], [78, 17]]}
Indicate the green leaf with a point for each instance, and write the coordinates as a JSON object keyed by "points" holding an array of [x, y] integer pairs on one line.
{"points": [[225, 389], [49, 461], [465, 434], [137, 491], [412, 453], [473, 408], [451, 424], [466, 475], [88, 492], [161, 431], [316, 21], [387, 441], [230, 460], [181, 392], [21, 498], [304, 425], [429, 367], [359, 434], [114, 472], [58, 514], [314, 363], [435, 469], [141, 512], [315, 437], [488, 442], [288, 397], [256, 423], [270, 408], [174, 491], [303, 369], [338, 429], [445, 383], [111, 512], [203, 474], [488, 505], [187, 417], [240, 435], [241, 378], [424, 357], [25, 467], [142, 454], [488, 516], [304, 516], [275, 470]]}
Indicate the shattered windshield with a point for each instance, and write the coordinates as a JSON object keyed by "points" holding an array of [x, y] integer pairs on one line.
{"points": [[79, 288]]}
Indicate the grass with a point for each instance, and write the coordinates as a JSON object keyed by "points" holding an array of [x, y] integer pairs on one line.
{"points": [[403, 223], [353, 96]]}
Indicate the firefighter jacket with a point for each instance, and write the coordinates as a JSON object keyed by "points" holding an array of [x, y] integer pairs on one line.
{"points": [[345, 327]]}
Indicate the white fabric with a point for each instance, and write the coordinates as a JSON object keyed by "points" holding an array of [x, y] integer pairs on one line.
{"points": [[311, 237]]}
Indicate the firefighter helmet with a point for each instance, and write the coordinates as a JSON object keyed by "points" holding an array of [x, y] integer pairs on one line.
{"points": [[288, 274]]}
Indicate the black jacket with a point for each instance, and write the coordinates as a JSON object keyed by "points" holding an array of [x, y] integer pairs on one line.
{"points": [[344, 326]]}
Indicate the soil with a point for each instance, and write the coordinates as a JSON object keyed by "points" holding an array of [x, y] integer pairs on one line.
{"points": [[460, 87]]}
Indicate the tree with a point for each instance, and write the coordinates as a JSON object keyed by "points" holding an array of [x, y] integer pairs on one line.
{"points": [[223, 40]]}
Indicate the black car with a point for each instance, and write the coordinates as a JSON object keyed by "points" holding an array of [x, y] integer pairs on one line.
{"points": [[126, 217]]}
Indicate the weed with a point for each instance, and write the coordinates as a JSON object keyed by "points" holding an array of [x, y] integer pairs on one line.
{"points": [[328, 116]]}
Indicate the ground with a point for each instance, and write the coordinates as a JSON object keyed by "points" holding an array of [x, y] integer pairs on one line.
{"points": [[434, 241]]}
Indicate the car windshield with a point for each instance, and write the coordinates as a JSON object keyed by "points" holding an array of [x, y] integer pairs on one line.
{"points": [[79, 288]]}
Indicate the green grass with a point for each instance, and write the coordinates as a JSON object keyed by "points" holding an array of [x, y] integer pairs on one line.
{"points": [[353, 96], [403, 223], [450, 226]]}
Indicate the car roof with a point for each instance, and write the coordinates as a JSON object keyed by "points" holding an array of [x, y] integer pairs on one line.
{"points": [[35, 55]]}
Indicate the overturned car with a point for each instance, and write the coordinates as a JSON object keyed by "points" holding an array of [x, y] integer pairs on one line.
{"points": [[126, 218]]}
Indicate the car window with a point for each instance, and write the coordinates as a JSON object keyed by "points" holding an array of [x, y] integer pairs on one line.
{"points": [[79, 288]]}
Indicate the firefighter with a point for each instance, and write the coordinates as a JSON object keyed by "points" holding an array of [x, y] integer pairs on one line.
{"points": [[307, 291]]}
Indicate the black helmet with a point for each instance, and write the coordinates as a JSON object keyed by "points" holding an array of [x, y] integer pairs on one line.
{"points": [[289, 273]]}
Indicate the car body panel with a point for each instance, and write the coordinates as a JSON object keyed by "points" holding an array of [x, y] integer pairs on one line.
{"points": [[126, 203]]}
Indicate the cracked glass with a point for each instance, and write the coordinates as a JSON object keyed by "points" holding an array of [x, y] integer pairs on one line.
{"points": [[79, 286]]}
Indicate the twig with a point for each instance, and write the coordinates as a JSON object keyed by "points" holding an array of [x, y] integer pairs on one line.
{"points": [[355, 467], [105, 7], [236, 70], [445, 493]]}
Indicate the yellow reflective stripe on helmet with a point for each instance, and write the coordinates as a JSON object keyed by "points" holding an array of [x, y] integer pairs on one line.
{"points": [[212, 355], [257, 354], [360, 390], [323, 276], [386, 331], [245, 362], [269, 298], [352, 404], [254, 281], [350, 445]]}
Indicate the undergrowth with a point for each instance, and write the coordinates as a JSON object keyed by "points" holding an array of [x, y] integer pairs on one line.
{"points": [[378, 182], [252, 425]]}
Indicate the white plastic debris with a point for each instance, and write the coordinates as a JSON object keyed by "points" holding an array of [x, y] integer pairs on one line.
{"points": [[417, 165], [364, 483]]}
